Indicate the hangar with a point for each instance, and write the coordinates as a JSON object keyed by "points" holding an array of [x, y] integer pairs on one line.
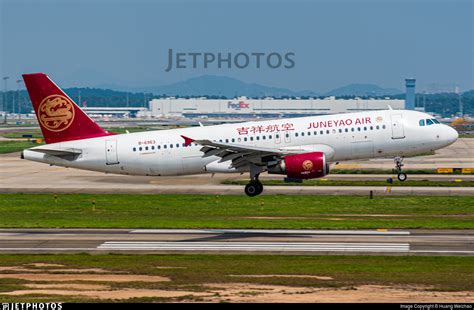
{"points": [[264, 108]]}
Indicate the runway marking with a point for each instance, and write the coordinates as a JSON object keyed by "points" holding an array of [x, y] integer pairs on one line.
{"points": [[268, 231], [47, 249], [255, 246], [442, 251]]}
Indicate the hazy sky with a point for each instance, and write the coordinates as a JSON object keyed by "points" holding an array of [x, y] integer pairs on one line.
{"points": [[89, 43]]}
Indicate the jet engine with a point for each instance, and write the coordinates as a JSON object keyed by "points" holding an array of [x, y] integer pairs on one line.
{"points": [[302, 166]]}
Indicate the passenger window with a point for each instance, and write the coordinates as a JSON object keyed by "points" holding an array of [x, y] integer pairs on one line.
{"points": [[226, 140], [251, 138], [245, 139], [258, 137], [346, 130], [287, 135], [309, 133], [296, 134], [365, 128], [233, 140], [165, 146], [422, 122], [327, 131], [429, 122], [264, 137], [152, 147], [334, 131], [269, 137], [315, 133], [358, 128], [340, 130], [383, 126], [377, 127], [277, 136], [134, 149], [371, 127], [352, 129], [177, 144], [158, 147], [321, 132], [171, 146]]}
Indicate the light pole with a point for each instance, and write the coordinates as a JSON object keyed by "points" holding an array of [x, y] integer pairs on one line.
{"points": [[5, 104], [18, 98]]}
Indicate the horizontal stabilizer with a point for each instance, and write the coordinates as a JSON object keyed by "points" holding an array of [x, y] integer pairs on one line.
{"points": [[57, 152]]}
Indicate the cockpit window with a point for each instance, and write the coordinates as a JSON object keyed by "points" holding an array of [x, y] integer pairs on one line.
{"points": [[428, 121]]}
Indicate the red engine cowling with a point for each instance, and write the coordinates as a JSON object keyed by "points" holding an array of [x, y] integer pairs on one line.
{"points": [[302, 166]]}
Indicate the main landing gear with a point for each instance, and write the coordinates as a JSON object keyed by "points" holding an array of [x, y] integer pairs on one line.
{"points": [[254, 188], [401, 176]]}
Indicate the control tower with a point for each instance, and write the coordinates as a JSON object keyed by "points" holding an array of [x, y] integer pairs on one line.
{"points": [[410, 94]]}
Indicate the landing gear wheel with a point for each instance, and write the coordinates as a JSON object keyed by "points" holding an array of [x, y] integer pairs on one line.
{"points": [[402, 177], [253, 189]]}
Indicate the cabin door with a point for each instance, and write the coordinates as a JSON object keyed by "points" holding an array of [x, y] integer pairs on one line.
{"points": [[111, 155], [398, 132]]}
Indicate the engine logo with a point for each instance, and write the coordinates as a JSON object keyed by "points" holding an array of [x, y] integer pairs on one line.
{"points": [[307, 165], [56, 113]]}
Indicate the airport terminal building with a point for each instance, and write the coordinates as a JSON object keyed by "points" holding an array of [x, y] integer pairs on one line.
{"points": [[264, 108]]}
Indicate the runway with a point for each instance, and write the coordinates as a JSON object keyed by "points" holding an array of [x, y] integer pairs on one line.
{"points": [[313, 242]]}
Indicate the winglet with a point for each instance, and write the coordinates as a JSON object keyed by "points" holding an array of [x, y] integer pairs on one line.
{"points": [[187, 141]]}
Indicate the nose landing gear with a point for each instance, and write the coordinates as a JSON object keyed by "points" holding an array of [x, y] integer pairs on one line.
{"points": [[401, 176], [398, 167]]}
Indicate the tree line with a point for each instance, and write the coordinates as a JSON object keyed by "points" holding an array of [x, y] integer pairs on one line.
{"points": [[445, 104]]}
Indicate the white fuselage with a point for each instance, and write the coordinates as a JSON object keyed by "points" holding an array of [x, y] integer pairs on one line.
{"points": [[341, 137]]}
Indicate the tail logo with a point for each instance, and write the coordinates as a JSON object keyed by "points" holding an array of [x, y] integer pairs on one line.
{"points": [[56, 113]]}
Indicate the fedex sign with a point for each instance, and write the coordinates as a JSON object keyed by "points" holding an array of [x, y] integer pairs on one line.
{"points": [[238, 105]]}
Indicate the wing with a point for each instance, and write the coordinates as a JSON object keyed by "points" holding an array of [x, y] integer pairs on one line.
{"points": [[242, 155]]}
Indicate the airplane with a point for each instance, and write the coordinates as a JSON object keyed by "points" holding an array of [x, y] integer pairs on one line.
{"points": [[300, 148]]}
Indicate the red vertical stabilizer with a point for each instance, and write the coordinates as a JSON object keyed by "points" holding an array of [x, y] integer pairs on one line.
{"points": [[59, 117]]}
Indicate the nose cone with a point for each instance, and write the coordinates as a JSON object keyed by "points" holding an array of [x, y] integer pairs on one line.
{"points": [[450, 135]]}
